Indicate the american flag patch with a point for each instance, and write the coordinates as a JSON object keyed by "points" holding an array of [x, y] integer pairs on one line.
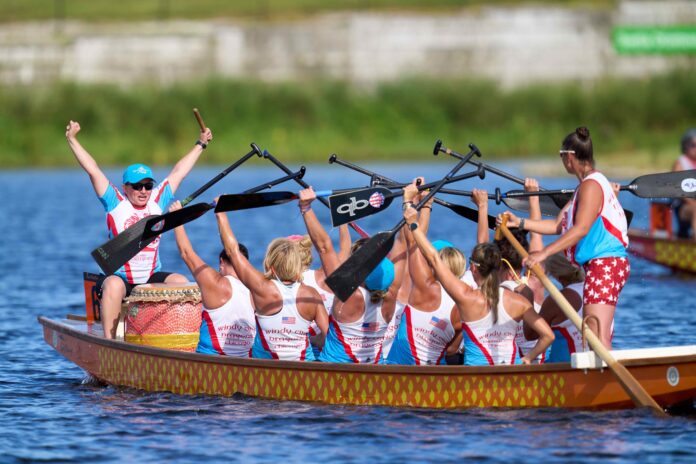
{"points": [[370, 326], [289, 320], [439, 323], [376, 200]]}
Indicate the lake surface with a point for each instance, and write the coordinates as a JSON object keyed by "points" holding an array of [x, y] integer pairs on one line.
{"points": [[50, 222]]}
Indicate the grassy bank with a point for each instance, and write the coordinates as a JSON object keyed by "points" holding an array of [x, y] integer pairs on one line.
{"points": [[632, 120], [149, 10]]}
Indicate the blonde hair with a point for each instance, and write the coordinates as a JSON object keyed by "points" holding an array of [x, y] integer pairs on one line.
{"points": [[558, 266], [285, 260], [454, 260], [305, 245]]}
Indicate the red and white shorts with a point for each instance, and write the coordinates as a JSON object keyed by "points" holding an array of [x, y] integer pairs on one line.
{"points": [[604, 279]]}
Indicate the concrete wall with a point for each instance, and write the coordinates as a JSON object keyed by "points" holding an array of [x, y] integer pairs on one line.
{"points": [[514, 46]]}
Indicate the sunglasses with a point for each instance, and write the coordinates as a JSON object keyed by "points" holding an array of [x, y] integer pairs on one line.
{"points": [[140, 185]]}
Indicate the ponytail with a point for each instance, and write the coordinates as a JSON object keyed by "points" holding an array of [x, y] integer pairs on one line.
{"points": [[486, 257]]}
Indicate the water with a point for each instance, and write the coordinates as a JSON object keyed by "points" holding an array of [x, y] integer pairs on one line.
{"points": [[50, 222]]}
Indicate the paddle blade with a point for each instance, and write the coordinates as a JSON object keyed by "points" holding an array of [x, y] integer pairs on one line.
{"points": [[466, 212], [357, 204], [111, 255], [353, 272], [550, 205], [680, 184], [241, 201]]}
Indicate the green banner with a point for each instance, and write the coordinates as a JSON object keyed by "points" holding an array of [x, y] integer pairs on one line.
{"points": [[655, 39]]}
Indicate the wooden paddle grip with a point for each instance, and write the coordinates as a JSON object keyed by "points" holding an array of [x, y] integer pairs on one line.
{"points": [[499, 229], [199, 119]]}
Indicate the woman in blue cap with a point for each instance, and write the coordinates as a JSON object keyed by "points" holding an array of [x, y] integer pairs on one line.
{"points": [[358, 325], [139, 198]]}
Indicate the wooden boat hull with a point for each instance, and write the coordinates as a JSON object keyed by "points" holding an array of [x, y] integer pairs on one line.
{"points": [[551, 385], [677, 254]]}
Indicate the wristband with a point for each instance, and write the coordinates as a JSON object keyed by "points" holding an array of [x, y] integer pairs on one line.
{"points": [[406, 204], [203, 145], [522, 224], [427, 207]]}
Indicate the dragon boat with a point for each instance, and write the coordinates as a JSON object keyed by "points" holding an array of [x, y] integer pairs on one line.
{"points": [[668, 374]]}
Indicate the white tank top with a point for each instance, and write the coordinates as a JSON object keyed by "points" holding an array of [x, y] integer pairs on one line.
{"points": [[309, 278], [428, 333], [363, 338], [567, 328], [392, 329], [285, 333], [232, 326], [489, 343], [524, 346], [610, 237], [686, 163]]}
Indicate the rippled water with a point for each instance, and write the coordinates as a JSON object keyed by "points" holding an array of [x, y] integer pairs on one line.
{"points": [[50, 222]]}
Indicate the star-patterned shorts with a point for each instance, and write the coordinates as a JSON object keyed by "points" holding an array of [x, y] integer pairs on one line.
{"points": [[604, 279]]}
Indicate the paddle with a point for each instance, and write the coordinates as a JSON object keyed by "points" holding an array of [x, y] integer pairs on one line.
{"points": [[353, 272], [466, 212], [547, 205], [630, 385], [111, 255], [304, 184], [357, 204]]}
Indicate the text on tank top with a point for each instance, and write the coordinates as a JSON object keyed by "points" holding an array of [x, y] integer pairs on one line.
{"points": [[361, 340], [486, 342], [231, 328], [424, 335], [608, 235], [285, 334]]}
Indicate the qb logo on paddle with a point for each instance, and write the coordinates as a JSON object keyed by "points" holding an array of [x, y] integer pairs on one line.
{"points": [[688, 185], [353, 206]]}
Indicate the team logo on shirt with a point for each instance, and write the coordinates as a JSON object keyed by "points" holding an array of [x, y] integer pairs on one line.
{"points": [[370, 326], [289, 320]]}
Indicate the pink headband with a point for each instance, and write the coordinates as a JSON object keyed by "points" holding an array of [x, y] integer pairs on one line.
{"points": [[295, 238]]}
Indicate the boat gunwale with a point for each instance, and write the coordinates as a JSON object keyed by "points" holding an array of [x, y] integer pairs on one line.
{"points": [[340, 367]]}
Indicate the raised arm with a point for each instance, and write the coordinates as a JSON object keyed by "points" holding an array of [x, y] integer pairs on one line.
{"points": [[96, 176], [424, 287], [536, 243], [344, 242], [215, 289], [480, 199], [320, 239], [540, 226], [185, 164], [250, 276], [397, 255]]}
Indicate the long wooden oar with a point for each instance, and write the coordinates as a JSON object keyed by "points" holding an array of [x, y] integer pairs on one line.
{"points": [[360, 231], [378, 179], [630, 385], [358, 204], [559, 200], [353, 272]]}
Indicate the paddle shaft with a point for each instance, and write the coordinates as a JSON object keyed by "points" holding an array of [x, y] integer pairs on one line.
{"points": [[254, 151], [464, 211], [430, 185], [199, 119], [304, 184], [631, 386]]}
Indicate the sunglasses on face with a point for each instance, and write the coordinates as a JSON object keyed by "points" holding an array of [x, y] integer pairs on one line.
{"points": [[142, 185]]}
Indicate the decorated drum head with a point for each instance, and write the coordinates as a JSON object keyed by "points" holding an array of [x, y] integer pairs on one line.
{"points": [[165, 292]]}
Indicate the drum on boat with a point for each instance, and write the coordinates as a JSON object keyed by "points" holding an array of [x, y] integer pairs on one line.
{"points": [[164, 316]]}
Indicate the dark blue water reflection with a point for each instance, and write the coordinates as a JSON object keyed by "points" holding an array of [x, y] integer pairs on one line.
{"points": [[50, 222]]}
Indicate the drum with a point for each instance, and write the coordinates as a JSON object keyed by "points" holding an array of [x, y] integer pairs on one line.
{"points": [[164, 316]]}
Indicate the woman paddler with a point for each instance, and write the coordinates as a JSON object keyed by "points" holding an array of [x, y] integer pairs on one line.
{"points": [[430, 321], [358, 325], [490, 315], [285, 308], [228, 327], [594, 233], [685, 208]]}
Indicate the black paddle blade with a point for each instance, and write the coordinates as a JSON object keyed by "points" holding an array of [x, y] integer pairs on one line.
{"points": [[466, 212], [111, 255], [680, 184], [241, 201], [357, 204], [550, 205], [353, 272]]}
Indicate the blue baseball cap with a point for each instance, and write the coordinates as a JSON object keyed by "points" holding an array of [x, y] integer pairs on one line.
{"points": [[440, 244], [381, 277], [137, 172]]}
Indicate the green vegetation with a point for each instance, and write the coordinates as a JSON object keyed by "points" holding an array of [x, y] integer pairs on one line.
{"points": [[137, 10], [639, 121]]}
